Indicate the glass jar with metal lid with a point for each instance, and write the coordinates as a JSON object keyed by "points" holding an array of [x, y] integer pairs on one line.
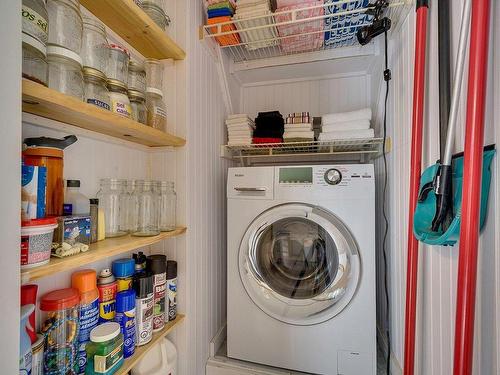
{"points": [[35, 65], [136, 77], [94, 44], [154, 73], [138, 105], [157, 111], [118, 98], [154, 10], [65, 71], [66, 24], [35, 20], [117, 65], [96, 92]]}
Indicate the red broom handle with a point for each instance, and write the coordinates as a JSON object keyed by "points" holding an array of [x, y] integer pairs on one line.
{"points": [[471, 193], [416, 165]]}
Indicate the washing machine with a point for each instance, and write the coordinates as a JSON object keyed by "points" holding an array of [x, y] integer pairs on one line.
{"points": [[301, 267]]}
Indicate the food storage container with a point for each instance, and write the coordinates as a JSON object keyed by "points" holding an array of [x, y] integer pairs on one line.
{"points": [[65, 24], [96, 91], [60, 329], [138, 105], [113, 200], [117, 65], [147, 213], [36, 241], [156, 13], [35, 20], [65, 71], [157, 111], [167, 204], [35, 67], [118, 98], [94, 44], [105, 349], [136, 77], [154, 74]]}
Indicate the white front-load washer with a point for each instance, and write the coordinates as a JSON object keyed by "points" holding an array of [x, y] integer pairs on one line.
{"points": [[301, 268]]}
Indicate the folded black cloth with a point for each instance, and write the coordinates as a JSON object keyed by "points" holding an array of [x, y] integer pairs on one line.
{"points": [[269, 125]]}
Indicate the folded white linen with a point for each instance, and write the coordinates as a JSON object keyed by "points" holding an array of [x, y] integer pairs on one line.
{"points": [[346, 134], [239, 137], [346, 125], [302, 126], [298, 134], [237, 115], [361, 114], [239, 122], [240, 142], [243, 133]]}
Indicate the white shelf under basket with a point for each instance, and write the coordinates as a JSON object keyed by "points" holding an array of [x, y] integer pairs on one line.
{"points": [[349, 149], [303, 30]]}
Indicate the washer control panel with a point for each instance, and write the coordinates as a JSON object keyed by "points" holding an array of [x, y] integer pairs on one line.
{"points": [[333, 176]]}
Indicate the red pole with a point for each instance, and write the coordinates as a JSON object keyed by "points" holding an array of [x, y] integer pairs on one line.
{"points": [[471, 193], [416, 164]]}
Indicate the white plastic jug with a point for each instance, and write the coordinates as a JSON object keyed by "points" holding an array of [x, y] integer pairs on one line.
{"points": [[160, 360]]}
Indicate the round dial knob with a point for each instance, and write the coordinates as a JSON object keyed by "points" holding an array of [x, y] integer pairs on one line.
{"points": [[333, 176]]}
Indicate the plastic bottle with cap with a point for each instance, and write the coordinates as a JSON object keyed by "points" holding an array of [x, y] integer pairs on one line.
{"points": [[140, 262], [123, 269], [75, 203], [143, 286], [107, 286], [125, 316], [157, 266], [105, 349], [85, 282]]}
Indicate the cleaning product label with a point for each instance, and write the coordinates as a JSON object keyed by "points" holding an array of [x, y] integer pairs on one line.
{"points": [[33, 185], [89, 318], [124, 284], [144, 319], [126, 320], [67, 209], [172, 298], [34, 24], [159, 285], [107, 300], [106, 364]]}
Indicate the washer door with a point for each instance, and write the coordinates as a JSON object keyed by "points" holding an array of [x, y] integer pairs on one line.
{"points": [[299, 263]]}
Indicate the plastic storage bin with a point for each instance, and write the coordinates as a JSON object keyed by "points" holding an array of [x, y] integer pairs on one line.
{"points": [[65, 24], [105, 350], [60, 329], [36, 241]]}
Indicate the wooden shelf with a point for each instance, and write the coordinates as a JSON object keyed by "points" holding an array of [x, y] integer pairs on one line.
{"points": [[129, 21], [140, 351], [99, 250], [45, 102]]}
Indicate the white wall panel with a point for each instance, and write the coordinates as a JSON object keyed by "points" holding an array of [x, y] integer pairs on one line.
{"points": [[438, 265]]}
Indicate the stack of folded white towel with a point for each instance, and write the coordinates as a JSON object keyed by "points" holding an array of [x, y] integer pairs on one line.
{"points": [[298, 127], [347, 125], [258, 38], [239, 129]]}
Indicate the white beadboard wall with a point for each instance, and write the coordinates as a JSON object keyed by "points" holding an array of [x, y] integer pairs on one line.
{"points": [[438, 265], [321, 95]]}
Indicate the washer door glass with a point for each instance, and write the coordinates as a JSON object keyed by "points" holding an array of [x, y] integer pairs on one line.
{"points": [[299, 264]]}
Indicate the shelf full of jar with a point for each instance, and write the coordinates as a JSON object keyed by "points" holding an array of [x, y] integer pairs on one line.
{"points": [[97, 251], [45, 102], [131, 23]]}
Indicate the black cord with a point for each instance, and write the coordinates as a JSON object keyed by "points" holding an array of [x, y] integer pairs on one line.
{"points": [[387, 78]]}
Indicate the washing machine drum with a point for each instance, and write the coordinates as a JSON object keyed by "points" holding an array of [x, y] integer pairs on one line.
{"points": [[299, 263]]}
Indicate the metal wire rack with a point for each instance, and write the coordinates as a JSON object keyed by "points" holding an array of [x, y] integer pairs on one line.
{"points": [[294, 30]]}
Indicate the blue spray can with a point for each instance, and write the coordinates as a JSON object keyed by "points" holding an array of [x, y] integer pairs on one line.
{"points": [[125, 316]]}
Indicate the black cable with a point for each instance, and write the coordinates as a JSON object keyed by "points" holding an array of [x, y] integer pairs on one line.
{"points": [[387, 78]]}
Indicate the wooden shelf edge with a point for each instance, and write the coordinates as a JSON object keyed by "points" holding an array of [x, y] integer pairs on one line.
{"points": [[49, 103], [98, 251], [130, 22], [140, 351]]}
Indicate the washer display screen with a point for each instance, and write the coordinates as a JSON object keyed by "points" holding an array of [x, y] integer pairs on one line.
{"points": [[300, 175]]}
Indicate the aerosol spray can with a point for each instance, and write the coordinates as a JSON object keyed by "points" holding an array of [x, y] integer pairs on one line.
{"points": [[157, 266], [143, 286], [172, 289], [107, 286], [140, 262], [125, 316]]}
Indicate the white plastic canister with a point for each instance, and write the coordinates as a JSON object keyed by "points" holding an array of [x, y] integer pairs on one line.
{"points": [[36, 241], [160, 360]]}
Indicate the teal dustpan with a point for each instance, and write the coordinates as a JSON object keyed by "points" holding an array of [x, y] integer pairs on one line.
{"points": [[426, 208]]}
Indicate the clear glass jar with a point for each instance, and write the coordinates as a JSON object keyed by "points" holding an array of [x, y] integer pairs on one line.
{"points": [[133, 205], [147, 213], [35, 65], [65, 71], [136, 77], [66, 24], [117, 65], [154, 74], [94, 44], [113, 199], [35, 20], [96, 92], [118, 98], [156, 13], [138, 105], [167, 206], [157, 111]]}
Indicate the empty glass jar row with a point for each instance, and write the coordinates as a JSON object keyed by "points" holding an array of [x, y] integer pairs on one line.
{"points": [[138, 207]]}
